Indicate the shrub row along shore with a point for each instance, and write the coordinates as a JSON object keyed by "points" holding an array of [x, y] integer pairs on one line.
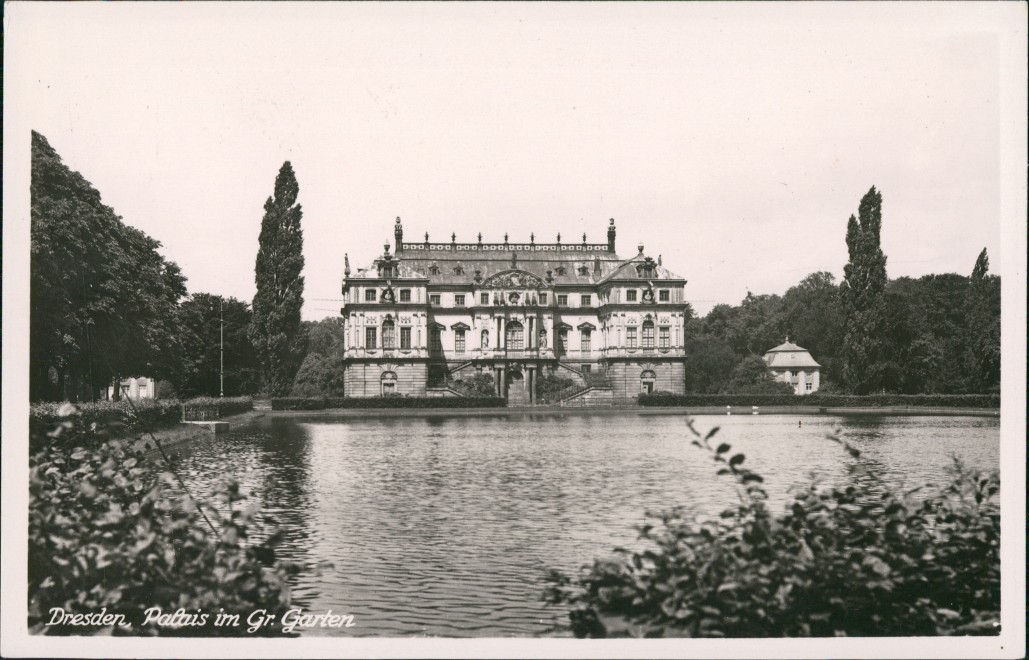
{"points": [[660, 399], [824, 400], [125, 418]]}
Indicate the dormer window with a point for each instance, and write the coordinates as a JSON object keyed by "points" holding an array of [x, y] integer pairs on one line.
{"points": [[560, 270], [434, 269], [458, 270], [583, 271]]}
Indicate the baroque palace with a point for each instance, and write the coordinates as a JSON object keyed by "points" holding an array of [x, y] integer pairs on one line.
{"points": [[432, 313]]}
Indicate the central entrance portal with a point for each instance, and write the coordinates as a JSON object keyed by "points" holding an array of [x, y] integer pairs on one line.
{"points": [[517, 394]]}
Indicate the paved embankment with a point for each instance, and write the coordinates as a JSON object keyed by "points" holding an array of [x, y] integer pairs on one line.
{"points": [[173, 437]]}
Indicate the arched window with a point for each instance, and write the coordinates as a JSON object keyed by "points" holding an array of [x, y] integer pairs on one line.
{"points": [[648, 334], [515, 336], [647, 380], [389, 334], [388, 383]]}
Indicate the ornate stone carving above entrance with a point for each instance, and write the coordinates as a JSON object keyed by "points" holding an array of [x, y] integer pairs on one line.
{"points": [[513, 279]]}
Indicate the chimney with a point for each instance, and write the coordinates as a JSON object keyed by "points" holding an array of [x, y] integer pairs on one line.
{"points": [[611, 236], [398, 234]]}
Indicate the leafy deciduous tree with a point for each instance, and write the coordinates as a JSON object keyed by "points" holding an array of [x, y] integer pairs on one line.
{"points": [[103, 300]]}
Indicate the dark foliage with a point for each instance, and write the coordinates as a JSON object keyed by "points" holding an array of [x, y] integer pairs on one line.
{"points": [[395, 401], [108, 530], [477, 385], [201, 316], [117, 418], [823, 400], [102, 298], [867, 366], [860, 560], [276, 329], [551, 387]]}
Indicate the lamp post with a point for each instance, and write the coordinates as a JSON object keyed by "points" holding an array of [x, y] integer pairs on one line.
{"points": [[221, 347]]}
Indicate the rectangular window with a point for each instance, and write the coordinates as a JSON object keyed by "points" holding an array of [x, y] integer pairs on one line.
{"points": [[630, 295], [459, 340], [369, 337], [663, 295], [562, 300], [543, 298], [587, 368], [664, 337], [483, 298], [648, 335], [435, 343], [807, 386], [369, 295], [630, 337], [434, 299], [405, 338], [405, 295], [587, 340], [459, 299], [389, 338], [586, 300]]}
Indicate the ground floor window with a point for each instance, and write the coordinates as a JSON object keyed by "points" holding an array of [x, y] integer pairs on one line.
{"points": [[587, 340], [459, 340]]}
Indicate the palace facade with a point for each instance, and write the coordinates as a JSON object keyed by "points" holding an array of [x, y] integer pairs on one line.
{"points": [[431, 314]]}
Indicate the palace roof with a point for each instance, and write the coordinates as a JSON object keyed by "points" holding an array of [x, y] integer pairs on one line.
{"points": [[556, 263]]}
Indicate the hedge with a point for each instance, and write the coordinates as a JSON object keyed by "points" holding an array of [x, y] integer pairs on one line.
{"points": [[149, 413], [823, 400], [321, 403]]}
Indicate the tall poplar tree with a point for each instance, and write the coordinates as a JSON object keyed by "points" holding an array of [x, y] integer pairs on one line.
{"points": [[982, 328], [866, 364], [276, 330]]}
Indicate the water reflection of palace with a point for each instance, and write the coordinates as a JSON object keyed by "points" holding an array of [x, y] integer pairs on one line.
{"points": [[432, 313]]}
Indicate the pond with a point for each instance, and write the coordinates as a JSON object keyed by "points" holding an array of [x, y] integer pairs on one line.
{"points": [[446, 525]]}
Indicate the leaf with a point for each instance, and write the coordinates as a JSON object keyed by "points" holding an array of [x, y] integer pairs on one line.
{"points": [[737, 459], [724, 447], [711, 433]]}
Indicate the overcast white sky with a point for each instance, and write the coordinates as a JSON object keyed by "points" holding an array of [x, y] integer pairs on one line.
{"points": [[733, 140]]}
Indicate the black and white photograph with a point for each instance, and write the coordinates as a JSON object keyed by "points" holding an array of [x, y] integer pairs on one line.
{"points": [[514, 329]]}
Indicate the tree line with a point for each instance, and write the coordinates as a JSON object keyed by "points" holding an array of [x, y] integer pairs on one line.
{"points": [[936, 334], [106, 305]]}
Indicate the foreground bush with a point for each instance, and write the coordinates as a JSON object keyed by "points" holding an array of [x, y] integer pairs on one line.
{"points": [[863, 560], [823, 400], [108, 532], [294, 403]]}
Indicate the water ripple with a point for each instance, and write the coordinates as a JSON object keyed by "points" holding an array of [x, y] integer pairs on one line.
{"points": [[445, 526]]}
